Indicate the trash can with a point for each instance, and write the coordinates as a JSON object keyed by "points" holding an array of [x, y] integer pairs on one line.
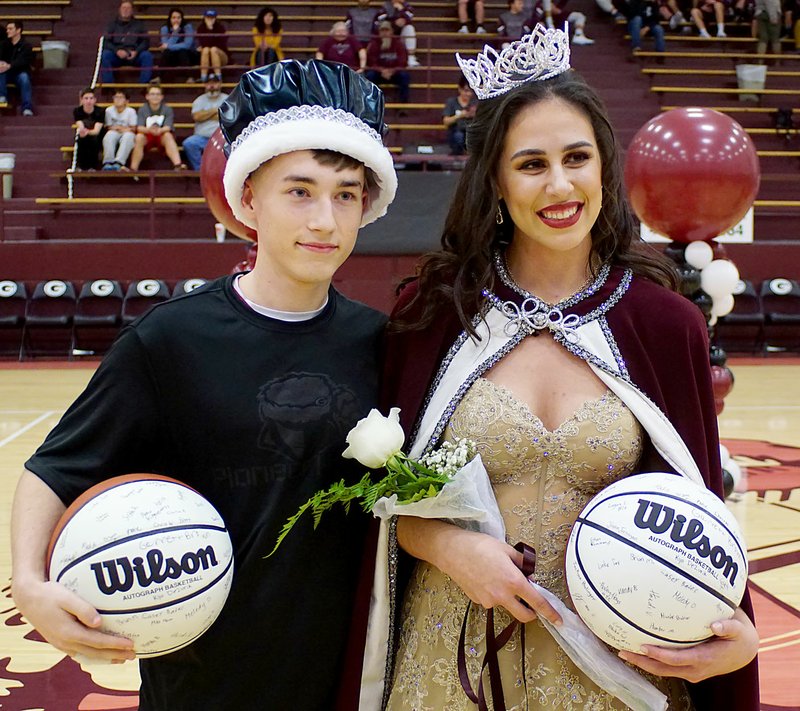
{"points": [[7, 163], [751, 76], [54, 54]]}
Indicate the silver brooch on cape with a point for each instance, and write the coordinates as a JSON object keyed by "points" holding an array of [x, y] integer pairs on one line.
{"points": [[533, 316]]}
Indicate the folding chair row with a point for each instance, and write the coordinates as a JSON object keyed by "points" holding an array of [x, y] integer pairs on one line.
{"points": [[56, 320]]}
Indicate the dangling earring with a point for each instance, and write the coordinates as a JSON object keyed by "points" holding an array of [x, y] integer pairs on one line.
{"points": [[498, 218]]}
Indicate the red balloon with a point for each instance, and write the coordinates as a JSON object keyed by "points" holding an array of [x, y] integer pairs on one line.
{"points": [[691, 173], [211, 171], [721, 381]]}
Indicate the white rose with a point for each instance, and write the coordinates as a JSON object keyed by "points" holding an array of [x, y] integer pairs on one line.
{"points": [[375, 439]]}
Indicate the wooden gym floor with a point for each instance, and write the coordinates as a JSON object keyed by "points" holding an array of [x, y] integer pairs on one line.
{"points": [[760, 426]]}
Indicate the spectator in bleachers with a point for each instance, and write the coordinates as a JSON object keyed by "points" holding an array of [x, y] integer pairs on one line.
{"points": [[643, 19], [16, 62], [791, 21], [553, 13], [89, 121], [340, 46], [768, 26], [362, 21], [673, 15], [177, 41], [708, 10], [155, 122], [205, 114], [399, 13], [120, 122], [464, 7], [512, 24], [266, 38], [212, 43], [387, 60], [126, 43], [458, 113]]}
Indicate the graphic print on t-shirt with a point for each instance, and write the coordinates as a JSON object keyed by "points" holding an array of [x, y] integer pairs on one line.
{"points": [[299, 409]]}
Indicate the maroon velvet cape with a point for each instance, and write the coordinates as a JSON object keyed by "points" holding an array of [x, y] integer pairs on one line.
{"points": [[663, 339]]}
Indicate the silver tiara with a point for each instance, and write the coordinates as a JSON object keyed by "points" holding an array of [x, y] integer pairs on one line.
{"points": [[540, 55]]}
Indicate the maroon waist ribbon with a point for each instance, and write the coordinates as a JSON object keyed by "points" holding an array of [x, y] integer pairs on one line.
{"points": [[494, 643]]}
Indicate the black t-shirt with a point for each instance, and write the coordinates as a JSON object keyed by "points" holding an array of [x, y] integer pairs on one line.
{"points": [[253, 413], [89, 120]]}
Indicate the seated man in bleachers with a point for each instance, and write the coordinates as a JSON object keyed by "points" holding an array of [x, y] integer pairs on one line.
{"points": [[154, 129], [340, 46], [400, 14], [205, 113], [553, 13], [704, 11], [126, 44], [512, 24], [387, 60], [89, 120], [464, 7], [362, 21], [16, 61], [643, 19], [120, 122], [457, 115]]}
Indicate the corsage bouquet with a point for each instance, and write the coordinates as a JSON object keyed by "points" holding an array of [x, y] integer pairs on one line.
{"points": [[448, 482]]}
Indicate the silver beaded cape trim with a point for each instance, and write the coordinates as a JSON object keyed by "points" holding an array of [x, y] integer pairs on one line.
{"points": [[305, 112], [502, 272], [392, 573]]}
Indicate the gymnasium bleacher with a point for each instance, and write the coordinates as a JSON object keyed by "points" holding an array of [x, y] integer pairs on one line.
{"points": [[79, 227]]}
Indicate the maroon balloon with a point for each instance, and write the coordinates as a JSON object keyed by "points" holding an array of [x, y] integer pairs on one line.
{"points": [[211, 171], [691, 173], [721, 381]]}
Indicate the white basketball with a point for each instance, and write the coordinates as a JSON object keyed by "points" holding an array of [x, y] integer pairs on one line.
{"points": [[150, 554], [655, 559]]}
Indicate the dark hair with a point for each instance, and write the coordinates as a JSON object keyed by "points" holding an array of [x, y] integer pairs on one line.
{"points": [[261, 26], [17, 23], [169, 19], [87, 90], [456, 274], [462, 82], [121, 91]]}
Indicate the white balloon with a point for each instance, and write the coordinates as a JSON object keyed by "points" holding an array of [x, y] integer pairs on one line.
{"points": [[735, 471], [719, 278], [722, 305], [698, 254], [724, 455]]}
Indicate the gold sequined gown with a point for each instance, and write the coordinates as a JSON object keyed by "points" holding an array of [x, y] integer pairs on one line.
{"points": [[542, 480]]}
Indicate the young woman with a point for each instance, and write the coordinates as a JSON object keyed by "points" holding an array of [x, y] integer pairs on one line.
{"points": [[177, 41], [266, 38], [532, 332], [212, 43]]}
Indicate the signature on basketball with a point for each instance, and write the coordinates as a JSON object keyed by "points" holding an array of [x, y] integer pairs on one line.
{"points": [[119, 574], [659, 519]]}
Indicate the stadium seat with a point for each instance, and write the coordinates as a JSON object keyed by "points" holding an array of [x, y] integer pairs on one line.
{"points": [[98, 317], [186, 285], [780, 301], [48, 320], [141, 296], [742, 330], [13, 302]]}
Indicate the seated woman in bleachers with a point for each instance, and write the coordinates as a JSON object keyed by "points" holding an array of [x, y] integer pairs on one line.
{"points": [[212, 43], [266, 38], [177, 41]]}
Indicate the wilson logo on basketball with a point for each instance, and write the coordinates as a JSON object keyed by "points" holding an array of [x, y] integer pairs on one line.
{"points": [[119, 574], [659, 519]]}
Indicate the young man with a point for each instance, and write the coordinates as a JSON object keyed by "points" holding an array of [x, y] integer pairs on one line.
{"points": [[205, 112], [89, 119], [120, 124], [16, 60], [245, 389], [155, 121]]}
